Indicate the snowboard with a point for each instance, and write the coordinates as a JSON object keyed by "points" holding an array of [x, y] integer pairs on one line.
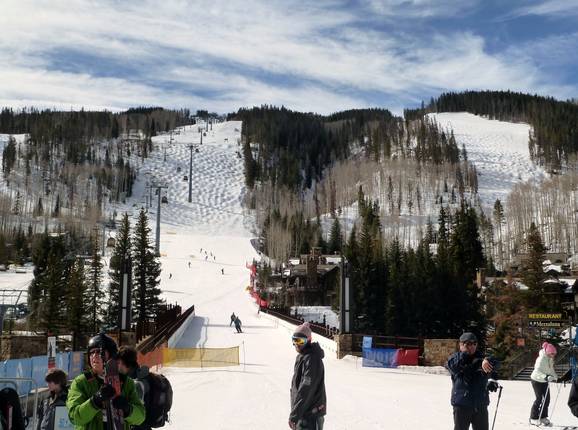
{"points": [[114, 416]]}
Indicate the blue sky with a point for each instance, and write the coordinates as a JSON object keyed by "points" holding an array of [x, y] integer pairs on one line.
{"points": [[322, 55]]}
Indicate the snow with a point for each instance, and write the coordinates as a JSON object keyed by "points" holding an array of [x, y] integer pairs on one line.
{"points": [[255, 395], [498, 149]]}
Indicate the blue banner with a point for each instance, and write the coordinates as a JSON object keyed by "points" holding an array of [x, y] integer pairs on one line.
{"points": [[36, 367], [379, 357]]}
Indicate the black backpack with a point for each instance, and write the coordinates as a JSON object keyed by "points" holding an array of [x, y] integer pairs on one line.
{"points": [[158, 400]]}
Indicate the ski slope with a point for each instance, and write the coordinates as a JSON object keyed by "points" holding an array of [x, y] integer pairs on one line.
{"points": [[255, 395], [498, 149]]}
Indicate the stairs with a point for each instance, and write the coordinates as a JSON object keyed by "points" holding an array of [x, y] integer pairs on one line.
{"points": [[561, 368]]}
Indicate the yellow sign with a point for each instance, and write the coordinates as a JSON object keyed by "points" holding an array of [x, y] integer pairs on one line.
{"points": [[545, 316]]}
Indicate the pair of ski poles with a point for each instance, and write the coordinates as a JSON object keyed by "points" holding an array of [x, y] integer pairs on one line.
{"points": [[544, 401]]}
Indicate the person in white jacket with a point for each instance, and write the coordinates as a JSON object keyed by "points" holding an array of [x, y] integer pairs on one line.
{"points": [[542, 375]]}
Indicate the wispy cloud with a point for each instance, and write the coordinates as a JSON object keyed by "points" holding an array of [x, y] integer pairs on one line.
{"points": [[549, 8], [320, 56]]}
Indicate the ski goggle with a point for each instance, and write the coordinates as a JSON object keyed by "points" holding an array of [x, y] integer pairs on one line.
{"points": [[299, 340]]}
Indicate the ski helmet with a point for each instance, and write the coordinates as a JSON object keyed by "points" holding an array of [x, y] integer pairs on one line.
{"points": [[105, 342]]}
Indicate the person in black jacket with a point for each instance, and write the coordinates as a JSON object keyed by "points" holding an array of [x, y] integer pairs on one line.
{"points": [[472, 377], [308, 400], [573, 398]]}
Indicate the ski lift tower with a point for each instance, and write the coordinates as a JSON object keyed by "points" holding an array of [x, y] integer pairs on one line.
{"points": [[196, 148], [159, 188]]}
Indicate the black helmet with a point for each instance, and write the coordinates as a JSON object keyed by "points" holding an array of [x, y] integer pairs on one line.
{"points": [[105, 342]]}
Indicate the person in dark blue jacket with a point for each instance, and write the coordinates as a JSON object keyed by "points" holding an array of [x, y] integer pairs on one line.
{"points": [[473, 376]]}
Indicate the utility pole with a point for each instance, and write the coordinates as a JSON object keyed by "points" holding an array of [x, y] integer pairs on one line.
{"points": [[191, 147], [158, 229]]}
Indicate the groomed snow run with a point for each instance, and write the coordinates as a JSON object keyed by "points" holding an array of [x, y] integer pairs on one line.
{"points": [[255, 395], [498, 149]]}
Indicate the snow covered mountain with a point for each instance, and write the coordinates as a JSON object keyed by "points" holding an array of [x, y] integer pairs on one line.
{"points": [[255, 395]]}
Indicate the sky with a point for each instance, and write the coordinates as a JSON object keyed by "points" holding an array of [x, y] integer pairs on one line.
{"points": [[315, 56]]}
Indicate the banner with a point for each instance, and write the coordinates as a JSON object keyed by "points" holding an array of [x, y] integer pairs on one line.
{"points": [[379, 357], [201, 357]]}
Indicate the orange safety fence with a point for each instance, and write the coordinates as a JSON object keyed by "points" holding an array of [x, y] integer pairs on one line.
{"points": [[190, 357]]}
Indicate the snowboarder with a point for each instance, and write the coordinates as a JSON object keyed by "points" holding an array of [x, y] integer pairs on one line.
{"points": [[238, 325], [56, 381], [308, 399], [542, 375], [88, 393], [472, 376], [233, 318]]}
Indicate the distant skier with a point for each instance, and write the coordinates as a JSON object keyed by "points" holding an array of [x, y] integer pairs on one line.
{"points": [[206, 256], [214, 258], [201, 251], [189, 264], [170, 276], [222, 271], [238, 325], [308, 399], [542, 375], [472, 376], [233, 318]]}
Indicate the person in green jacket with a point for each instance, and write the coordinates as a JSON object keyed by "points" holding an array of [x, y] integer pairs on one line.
{"points": [[88, 393]]}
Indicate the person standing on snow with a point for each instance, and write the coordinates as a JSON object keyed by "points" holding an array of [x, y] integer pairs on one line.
{"points": [[238, 325], [308, 399], [472, 377], [88, 394], [233, 318], [542, 375]]}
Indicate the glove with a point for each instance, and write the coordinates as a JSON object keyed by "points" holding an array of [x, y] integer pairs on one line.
{"points": [[551, 378], [493, 385], [292, 425], [105, 393], [121, 403]]}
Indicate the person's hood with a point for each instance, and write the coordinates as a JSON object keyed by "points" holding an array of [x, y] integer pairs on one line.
{"points": [[314, 349]]}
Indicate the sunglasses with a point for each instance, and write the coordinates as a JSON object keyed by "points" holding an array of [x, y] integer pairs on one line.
{"points": [[299, 340]]}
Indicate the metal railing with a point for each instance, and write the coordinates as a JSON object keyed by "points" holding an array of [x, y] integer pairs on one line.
{"points": [[321, 330]]}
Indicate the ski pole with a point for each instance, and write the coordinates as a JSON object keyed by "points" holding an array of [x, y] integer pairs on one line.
{"points": [[544, 401], [497, 405], [555, 400]]}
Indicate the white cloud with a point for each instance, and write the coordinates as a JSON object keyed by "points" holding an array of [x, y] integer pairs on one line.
{"points": [[549, 7], [221, 55], [421, 8]]}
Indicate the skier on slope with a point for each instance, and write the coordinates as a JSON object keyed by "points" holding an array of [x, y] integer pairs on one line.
{"points": [[542, 375], [472, 376], [308, 399], [233, 318], [89, 394], [238, 325]]}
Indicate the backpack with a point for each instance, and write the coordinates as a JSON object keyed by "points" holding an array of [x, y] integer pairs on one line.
{"points": [[158, 400]]}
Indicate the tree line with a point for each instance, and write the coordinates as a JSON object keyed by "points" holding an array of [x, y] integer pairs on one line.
{"points": [[67, 293], [553, 141]]}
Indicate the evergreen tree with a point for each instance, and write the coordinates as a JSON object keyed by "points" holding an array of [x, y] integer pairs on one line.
{"points": [[335, 238], [533, 274], [77, 321], [121, 259], [147, 269], [94, 293]]}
